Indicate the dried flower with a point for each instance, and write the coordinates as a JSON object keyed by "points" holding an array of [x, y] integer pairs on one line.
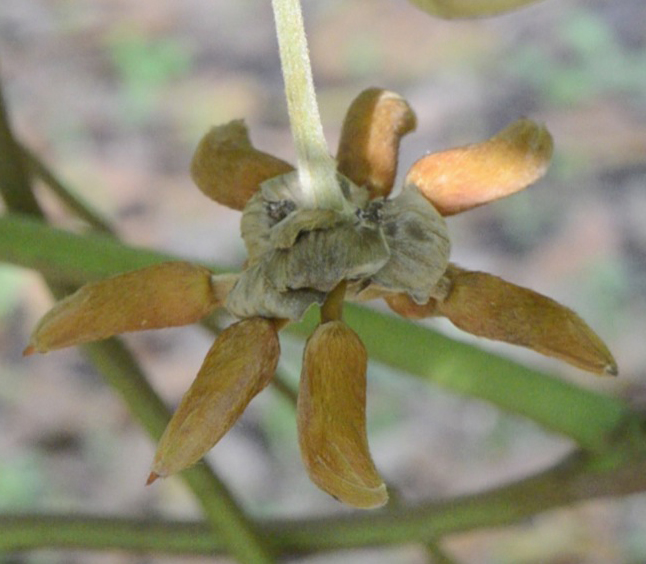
{"points": [[374, 246]]}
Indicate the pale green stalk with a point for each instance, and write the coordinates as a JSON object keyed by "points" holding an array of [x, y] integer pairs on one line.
{"points": [[316, 168]]}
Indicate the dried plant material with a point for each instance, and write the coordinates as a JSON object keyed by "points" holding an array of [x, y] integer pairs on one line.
{"points": [[419, 246], [369, 145], [240, 364], [255, 294], [332, 419], [164, 295], [321, 258], [405, 306], [470, 8], [228, 169], [465, 177], [487, 306]]}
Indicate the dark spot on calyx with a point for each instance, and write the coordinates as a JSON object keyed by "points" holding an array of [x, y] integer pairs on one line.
{"points": [[279, 210]]}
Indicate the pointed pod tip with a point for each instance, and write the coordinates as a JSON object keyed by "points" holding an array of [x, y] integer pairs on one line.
{"points": [[29, 350], [610, 370], [374, 498], [152, 477]]}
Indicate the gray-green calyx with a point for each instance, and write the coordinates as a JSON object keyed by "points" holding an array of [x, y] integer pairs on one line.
{"points": [[297, 255]]}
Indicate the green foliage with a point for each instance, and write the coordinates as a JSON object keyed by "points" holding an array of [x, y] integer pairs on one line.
{"points": [[144, 67], [586, 61]]}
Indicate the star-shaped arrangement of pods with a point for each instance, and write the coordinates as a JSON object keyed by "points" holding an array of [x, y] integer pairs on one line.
{"points": [[377, 246]]}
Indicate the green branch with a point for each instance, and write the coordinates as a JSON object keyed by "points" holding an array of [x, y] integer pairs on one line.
{"points": [[121, 370], [570, 482], [589, 418], [72, 201]]}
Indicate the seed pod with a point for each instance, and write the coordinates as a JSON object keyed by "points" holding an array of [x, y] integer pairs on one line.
{"points": [[465, 177], [163, 295], [332, 417], [227, 168], [240, 364], [487, 306], [369, 145]]}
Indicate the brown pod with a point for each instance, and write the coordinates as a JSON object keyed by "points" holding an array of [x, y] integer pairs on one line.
{"points": [[227, 168], [487, 306], [369, 145], [164, 295], [239, 365], [332, 417], [465, 177]]}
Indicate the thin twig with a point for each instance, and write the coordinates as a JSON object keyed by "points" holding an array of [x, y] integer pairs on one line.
{"points": [[73, 201], [121, 370]]}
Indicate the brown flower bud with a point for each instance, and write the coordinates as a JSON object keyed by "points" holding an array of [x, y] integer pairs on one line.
{"points": [[487, 306], [369, 145], [332, 417], [227, 168], [163, 295], [239, 365], [465, 177]]}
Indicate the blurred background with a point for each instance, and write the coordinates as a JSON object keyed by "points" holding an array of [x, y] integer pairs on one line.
{"points": [[114, 95]]}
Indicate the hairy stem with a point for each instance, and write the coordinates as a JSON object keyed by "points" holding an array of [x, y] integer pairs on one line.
{"points": [[316, 168]]}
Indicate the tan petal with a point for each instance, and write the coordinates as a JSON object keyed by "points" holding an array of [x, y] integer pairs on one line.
{"points": [[465, 177], [228, 169], [369, 145], [469, 8], [487, 306], [164, 295], [405, 306], [332, 418], [240, 364]]}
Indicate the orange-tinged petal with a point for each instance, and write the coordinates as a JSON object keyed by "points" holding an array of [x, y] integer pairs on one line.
{"points": [[332, 418], [240, 364], [487, 306], [164, 295], [228, 169], [465, 177], [369, 145]]}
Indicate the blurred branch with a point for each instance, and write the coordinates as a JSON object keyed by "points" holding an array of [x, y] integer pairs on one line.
{"points": [[15, 186], [576, 479], [589, 418], [121, 370], [470, 8], [73, 201]]}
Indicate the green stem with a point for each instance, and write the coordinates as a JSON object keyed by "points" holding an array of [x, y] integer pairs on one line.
{"points": [[565, 484], [15, 186], [73, 201], [589, 418], [121, 370], [316, 168]]}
